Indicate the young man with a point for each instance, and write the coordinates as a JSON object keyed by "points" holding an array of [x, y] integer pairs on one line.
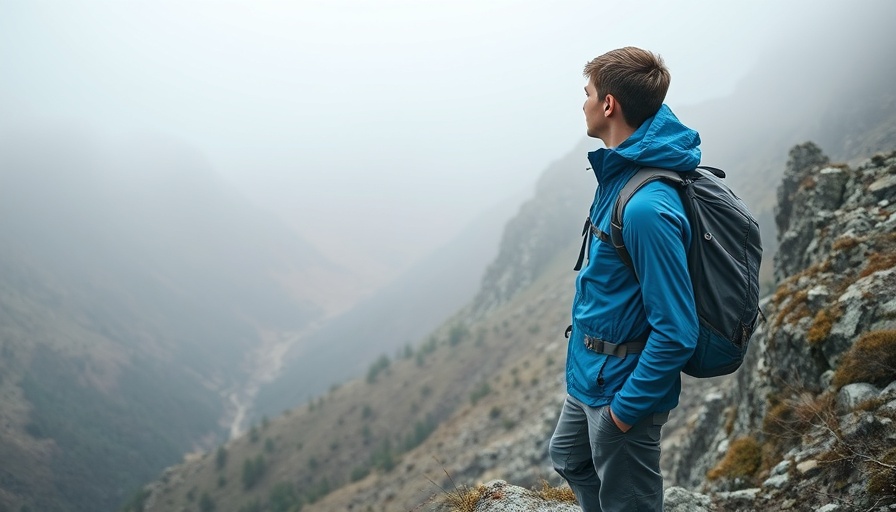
{"points": [[633, 328]]}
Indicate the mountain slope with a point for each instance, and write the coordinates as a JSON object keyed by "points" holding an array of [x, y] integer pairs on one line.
{"points": [[394, 317], [133, 286]]}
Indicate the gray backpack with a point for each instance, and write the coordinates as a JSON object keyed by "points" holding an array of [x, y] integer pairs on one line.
{"points": [[723, 261]]}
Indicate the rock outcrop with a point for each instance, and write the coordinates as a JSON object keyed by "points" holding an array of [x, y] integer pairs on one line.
{"points": [[545, 223], [809, 420]]}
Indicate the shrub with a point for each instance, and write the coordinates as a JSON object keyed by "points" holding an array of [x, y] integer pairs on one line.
{"points": [[480, 336], [422, 430], [220, 458], [253, 471], [366, 434], [315, 492], [253, 506], [871, 359], [480, 392], [382, 457], [743, 460], [206, 503], [360, 473], [379, 366], [457, 333], [283, 498], [883, 480], [788, 419]]}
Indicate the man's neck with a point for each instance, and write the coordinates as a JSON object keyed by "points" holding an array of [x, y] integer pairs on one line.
{"points": [[617, 134]]}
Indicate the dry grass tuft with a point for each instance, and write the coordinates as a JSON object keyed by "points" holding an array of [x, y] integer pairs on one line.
{"points": [[871, 359], [822, 324], [877, 262], [561, 494], [790, 418], [796, 306], [463, 498], [845, 243]]}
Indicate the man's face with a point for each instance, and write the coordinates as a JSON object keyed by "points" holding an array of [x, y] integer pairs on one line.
{"points": [[595, 121]]}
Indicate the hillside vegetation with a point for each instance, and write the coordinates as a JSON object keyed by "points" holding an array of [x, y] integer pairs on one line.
{"points": [[133, 288], [397, 422]]}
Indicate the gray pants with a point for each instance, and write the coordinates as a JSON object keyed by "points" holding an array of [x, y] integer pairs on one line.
{"points": [[608, 470]]}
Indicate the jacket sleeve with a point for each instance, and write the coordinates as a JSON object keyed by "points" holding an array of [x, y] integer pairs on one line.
{"points": [[657, 233]]}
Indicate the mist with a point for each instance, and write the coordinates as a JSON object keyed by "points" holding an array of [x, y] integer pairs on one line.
{"points": [[375, 129]]}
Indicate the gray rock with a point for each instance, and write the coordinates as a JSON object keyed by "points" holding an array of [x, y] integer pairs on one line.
{"points": [[499, 496], [677, 499], [889, 391], [852, 395], [856, 427], [818, 296], [826, 379], [781, 468], [883, 188], [741, 498], [776, 481]]}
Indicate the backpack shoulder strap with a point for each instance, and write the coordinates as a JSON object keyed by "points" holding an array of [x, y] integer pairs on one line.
{"points": [[644, 176]]}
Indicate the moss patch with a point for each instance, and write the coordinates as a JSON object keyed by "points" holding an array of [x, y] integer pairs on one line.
{"points": [[844, 243], [871, 359], [877, 262], [822, 323], [796, 307], [743, 460], [883, 478]]}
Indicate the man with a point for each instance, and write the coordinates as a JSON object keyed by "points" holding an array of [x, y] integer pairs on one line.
{"points": [[633, 328]]}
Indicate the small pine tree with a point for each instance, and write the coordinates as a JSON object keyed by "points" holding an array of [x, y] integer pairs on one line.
{"points": [[206, 503], [221, 458]]}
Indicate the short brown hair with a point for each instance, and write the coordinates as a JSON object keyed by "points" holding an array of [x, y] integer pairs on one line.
{"points": [[637, 78]]}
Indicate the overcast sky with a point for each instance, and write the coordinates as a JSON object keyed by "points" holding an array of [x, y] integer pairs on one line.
{"points": [[386, 122]]}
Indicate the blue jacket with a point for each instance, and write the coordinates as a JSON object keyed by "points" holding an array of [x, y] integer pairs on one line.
{"points": [[610, 303]]}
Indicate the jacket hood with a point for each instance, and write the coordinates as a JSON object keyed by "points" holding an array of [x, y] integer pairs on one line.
{"points": [[661, 141]]}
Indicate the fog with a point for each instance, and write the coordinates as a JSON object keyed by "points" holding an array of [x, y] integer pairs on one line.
{"points": [[377, 129]]}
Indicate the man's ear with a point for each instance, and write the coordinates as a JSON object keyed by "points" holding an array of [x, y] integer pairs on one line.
{"points": [[610, 105]]}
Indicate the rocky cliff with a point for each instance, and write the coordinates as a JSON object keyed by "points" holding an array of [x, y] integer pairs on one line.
{"points": [[808, 422], [541, 229]]}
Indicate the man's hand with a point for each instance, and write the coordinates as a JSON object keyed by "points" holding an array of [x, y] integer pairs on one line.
{"points": [[619, 423]]}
